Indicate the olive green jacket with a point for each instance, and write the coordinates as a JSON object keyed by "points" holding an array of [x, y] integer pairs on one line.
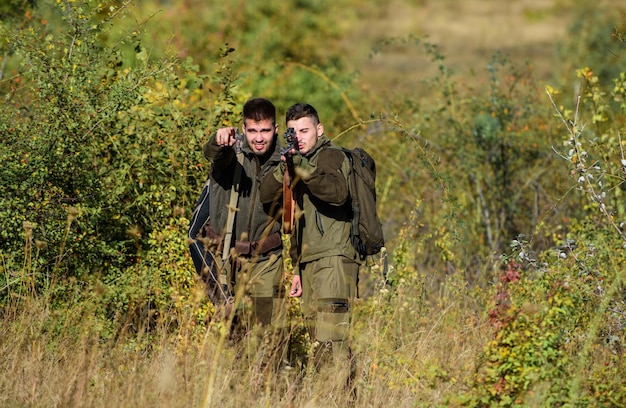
{"points": [[323, 227], [253, 220]]}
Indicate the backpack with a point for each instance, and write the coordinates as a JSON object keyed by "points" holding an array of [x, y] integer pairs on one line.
{"points": [[366, 231]]}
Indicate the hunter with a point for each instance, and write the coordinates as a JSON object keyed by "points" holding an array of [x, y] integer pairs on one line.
{"points": [[242, 254], [327, 263]]}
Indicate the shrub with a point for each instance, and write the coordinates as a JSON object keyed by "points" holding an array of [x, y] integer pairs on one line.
{"points": [[110, 139]]}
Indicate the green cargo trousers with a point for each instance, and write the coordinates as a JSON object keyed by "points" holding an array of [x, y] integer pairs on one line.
{"points": [[262, 310], [329, 285], [264, 286]]}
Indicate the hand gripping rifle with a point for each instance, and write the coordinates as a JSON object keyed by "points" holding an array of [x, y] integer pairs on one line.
{"points": [[291, 143]]}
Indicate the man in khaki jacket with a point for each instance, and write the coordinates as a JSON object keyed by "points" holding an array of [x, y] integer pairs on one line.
{"points": [[327, 262], [255, 262]]}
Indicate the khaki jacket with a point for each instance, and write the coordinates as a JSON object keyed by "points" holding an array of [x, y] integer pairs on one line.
{"points": [[323, 228], [253, 220]]}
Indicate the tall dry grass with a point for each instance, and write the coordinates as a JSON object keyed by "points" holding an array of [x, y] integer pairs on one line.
{"points": [[403, 359]]}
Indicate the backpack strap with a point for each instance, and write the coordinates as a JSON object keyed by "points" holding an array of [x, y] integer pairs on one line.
{"points": [[232, 208]]}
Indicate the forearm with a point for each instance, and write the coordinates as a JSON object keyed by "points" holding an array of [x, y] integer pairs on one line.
{"points": [[330, 187], [326, 181], [220, 156]]}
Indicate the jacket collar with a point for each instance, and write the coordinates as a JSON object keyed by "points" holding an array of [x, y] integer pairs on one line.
{"points": [[323, 141]]}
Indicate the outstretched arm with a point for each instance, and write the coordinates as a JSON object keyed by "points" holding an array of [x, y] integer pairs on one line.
{"points": [[218, 149], [326, 181]]}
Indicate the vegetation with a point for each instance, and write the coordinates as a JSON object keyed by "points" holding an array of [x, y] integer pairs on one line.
{"points": [[502, 197]]}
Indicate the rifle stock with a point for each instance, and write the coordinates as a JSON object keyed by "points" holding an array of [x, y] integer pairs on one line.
{"points": [[288, 204]]}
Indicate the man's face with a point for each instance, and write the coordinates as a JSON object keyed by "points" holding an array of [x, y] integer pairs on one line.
{"points": [[307, 133], [260, 135]]}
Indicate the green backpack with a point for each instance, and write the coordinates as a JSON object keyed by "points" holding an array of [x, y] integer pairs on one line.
{"points": [[366, 231]]}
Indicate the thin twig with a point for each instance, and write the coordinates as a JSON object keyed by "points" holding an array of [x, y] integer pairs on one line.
{"points": [[582, 169]]}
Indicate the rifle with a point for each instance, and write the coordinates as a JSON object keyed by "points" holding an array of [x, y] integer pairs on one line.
{"points": [[291, 142]]}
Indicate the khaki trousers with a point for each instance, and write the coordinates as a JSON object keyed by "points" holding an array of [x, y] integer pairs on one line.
{"points": [[263, 283], [329, 285]]}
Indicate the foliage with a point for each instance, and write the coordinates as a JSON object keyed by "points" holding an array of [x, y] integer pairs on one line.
{"points": [[101, 162], [592, 27], [112, 140], [275, 53], [562, 311], [160, 290], [14, 9], [552, 317], [477, 160]]}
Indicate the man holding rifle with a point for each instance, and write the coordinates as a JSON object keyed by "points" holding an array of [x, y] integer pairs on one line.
{"points": [[326, 259]]}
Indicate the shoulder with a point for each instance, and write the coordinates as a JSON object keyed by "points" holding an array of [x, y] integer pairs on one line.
{"points": [[332, 154]]}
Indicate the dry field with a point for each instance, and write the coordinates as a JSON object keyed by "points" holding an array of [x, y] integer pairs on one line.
{"points": [[468, 32]]}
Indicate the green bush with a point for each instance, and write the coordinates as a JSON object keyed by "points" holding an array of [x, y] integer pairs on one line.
{"points": [[99, 149]]}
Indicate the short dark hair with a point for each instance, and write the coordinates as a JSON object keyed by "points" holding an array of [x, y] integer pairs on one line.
{"points": [[259, 109], [302, 110]]}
